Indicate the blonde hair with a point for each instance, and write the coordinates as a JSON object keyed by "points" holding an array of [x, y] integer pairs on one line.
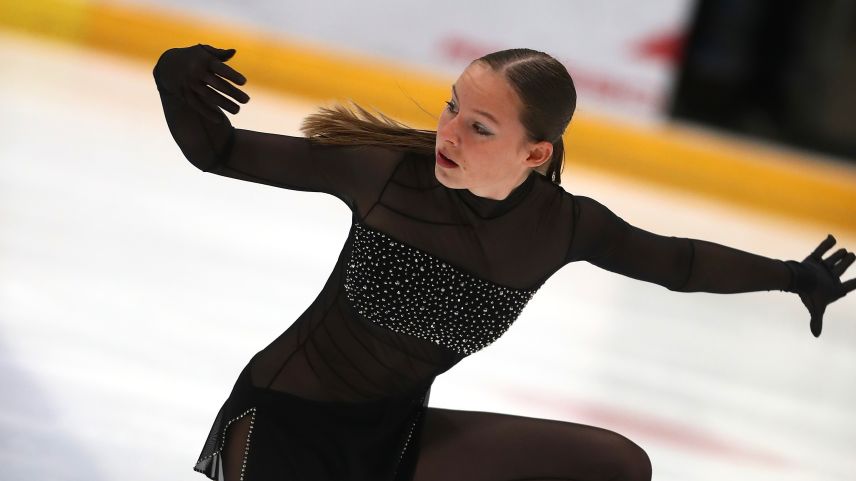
{"points": [[354, 125]]}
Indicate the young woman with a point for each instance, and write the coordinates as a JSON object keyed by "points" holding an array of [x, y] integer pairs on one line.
{"points": [[452, 233]]}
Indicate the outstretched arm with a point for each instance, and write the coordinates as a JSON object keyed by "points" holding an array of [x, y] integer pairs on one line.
{"points": [[691, 265], [190, 82]]}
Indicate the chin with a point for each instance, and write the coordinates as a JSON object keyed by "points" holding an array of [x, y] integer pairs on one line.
{"points": [[444, 178]]}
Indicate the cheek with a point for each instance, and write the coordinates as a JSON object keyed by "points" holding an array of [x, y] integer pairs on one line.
{"points": [[481, 157], [494, 158], [443, 120]]}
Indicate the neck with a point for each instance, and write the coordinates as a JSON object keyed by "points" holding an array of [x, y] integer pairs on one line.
{"points": [[500, 192]]}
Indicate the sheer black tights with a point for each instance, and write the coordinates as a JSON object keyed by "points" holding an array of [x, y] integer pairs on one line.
{"points": [[481, 446]]}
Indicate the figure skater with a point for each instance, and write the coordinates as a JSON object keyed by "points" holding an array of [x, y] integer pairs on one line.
{"points": [[452, 233]]}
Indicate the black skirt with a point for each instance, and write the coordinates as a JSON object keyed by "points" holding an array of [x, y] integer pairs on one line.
{"points": [[279, 436]]}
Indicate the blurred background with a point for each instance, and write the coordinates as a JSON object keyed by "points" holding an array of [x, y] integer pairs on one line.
{"points": [[133, 288]]}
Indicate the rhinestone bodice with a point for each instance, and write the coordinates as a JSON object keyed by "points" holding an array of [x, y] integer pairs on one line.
{"points": [[409, 291]]}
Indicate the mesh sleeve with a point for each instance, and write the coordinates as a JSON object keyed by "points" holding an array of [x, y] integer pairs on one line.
{"points": [[354, 174], [680, 264]]}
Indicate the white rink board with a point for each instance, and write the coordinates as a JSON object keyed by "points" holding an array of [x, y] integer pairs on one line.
{"points": [[607, 46]]}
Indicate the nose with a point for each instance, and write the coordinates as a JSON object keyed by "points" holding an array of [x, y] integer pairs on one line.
{"points": [[448, 131]]}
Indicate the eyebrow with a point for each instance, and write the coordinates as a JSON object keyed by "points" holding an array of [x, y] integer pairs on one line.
{"points": [[486, 114]]}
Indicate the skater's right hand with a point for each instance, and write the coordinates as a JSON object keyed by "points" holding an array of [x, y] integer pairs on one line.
{"points": [[188, 72]]}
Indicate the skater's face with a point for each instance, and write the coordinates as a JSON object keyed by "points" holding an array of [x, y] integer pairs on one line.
{"points": [[481, 132]]}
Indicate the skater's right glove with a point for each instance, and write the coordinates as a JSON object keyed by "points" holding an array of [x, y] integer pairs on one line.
{"points": [[188, 72]]}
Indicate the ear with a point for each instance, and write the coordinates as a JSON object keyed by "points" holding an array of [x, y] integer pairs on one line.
{"points": [[539, 153]]}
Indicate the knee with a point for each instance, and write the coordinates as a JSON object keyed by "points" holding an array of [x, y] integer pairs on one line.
{"points": [[634, 463]]}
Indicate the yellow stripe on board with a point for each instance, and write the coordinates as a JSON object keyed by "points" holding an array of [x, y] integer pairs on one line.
{"points": [[746, 173], [58, 18]]}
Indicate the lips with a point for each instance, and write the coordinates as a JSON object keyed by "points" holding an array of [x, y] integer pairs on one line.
{"points": [[446, 158]]}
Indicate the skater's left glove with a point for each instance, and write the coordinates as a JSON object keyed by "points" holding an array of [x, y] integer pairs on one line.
{"points": [[818, 280]]}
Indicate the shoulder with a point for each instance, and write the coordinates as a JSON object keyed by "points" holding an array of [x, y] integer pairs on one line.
{"points": [[555, 198], [577, 204], [416, 169]]}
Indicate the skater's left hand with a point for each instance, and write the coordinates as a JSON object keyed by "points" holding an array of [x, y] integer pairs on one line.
{"points": [[828, 286]]}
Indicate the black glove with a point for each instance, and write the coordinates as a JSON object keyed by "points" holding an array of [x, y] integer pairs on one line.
{"points": [[818, 280], [187, 73]]}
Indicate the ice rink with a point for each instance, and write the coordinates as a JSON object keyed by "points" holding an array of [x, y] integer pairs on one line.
{"points": [[134, 288]]}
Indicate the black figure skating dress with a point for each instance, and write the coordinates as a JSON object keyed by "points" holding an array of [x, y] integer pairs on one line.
{"points": [[427, 276]]}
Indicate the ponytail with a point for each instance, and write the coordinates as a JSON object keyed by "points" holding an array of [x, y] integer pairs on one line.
{"points": [[354, 125]]}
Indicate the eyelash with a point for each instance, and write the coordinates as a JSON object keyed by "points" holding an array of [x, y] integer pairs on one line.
{"points": [[479, 130]]}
